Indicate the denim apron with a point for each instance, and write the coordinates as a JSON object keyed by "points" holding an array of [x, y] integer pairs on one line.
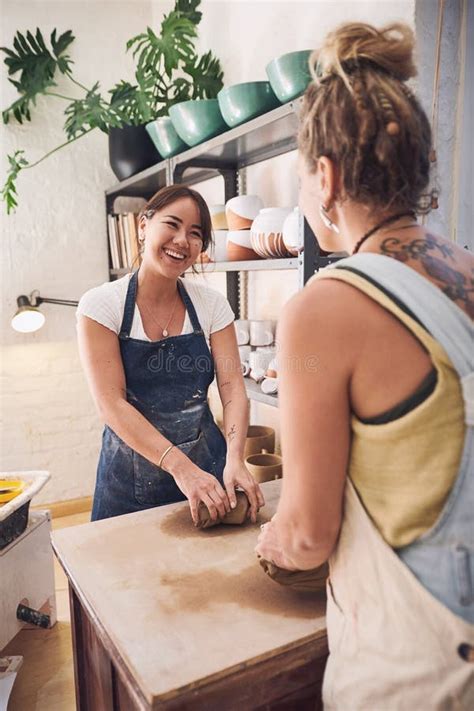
{"points": [[167, 381]]}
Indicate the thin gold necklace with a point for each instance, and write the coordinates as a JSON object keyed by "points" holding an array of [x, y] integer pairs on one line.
{"points": [[164, 330]]}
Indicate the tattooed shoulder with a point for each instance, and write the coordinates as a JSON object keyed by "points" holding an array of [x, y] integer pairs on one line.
{"points": [[433, 255]]}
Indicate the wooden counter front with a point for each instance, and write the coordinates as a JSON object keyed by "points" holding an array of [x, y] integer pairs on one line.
{"points": [[168, 616]]}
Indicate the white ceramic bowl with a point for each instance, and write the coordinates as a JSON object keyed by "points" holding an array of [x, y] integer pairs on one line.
{"points": [[242, 210], [216, 252], [292, 234], [239, 246], [267, 232]]}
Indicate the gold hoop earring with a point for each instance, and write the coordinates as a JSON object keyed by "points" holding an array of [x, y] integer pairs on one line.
{"points": [[323, 213]]}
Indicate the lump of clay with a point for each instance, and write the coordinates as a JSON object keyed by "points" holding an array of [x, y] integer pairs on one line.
{"points": [[235, 516], [312, 580]]}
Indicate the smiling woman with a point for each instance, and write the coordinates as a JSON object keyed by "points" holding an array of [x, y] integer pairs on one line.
{"points": [[143, 342]]}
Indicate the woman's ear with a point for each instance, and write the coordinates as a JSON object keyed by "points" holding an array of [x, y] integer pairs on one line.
{"points": [[326, 174]]}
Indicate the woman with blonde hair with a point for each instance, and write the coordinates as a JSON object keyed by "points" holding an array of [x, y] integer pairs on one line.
{"points": [[378, 442]]}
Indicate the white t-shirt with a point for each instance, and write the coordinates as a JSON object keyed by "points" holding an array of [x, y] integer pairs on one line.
{"points": [[105, 304]]}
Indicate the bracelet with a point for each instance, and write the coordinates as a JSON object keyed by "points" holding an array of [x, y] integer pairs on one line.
{"points": [[168, 449]]}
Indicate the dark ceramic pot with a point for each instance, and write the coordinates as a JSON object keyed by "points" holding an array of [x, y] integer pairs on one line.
{"points": [[131, 150]]}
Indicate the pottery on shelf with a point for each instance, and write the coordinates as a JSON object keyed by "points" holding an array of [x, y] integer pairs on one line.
{"points": [[217, 250], [293, 232], [261, 358], [259, 438], [242, 102], [269, 386], [197, 120], [131, 150], [242, 333], [261, 333], [164, 136], [239, 246], [264, 467], [218, 218], [267, 232], [242, 210], [289, 74]]}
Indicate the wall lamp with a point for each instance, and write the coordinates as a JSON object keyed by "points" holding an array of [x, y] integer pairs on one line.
{"points": [[28, 317]]}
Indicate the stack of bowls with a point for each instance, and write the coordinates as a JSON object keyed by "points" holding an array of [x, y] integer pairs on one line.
{"points": [[240, 212]]}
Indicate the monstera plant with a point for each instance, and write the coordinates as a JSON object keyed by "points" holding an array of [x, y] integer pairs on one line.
{"points": [[168, 70]]}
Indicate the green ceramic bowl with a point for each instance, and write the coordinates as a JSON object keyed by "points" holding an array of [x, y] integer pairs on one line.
{"points": [[165, 138], [241, 102], [289, 74], [197, 120]]}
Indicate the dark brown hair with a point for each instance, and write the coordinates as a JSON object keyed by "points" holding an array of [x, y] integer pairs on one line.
{"points": [[359, 112], [170, 194]]}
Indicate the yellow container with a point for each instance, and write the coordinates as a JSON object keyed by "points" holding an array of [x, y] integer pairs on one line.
{"points": [[9, 489]]}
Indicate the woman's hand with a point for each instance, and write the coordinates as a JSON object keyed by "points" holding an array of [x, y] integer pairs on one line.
{"points": [[197, 485], [236, 474], [269, 546]]}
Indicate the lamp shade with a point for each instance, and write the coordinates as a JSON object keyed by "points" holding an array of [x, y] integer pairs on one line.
{"points": [[28, 318]]}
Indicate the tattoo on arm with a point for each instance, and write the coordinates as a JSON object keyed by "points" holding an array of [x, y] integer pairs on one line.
{"points": [[231, 433], [227, 403], [450, 280], [227, 382]]}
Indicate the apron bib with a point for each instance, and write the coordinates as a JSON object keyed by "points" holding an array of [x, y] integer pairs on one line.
{"points": [[167, 381], [394, 645]]}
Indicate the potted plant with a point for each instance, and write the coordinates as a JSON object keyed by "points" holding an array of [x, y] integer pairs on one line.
{"points": [[168, 71]]}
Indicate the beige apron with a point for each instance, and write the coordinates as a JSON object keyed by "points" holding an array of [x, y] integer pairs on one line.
{"points": [[393, 646]]}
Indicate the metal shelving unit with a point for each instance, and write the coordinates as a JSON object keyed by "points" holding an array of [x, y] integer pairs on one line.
{"points": [[260, 139]]}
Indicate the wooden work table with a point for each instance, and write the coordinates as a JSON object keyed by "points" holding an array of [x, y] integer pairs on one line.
{"points": [[168, 616]]}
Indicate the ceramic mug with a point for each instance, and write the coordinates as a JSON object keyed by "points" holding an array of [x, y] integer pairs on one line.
{"points": [[242, 332], [269, 386], [264, 467], [261, 358], [261, 333], [244, 353], [259, 437], [257, 374]]}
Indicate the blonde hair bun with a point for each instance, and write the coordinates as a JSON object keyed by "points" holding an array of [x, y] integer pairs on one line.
{"points": [[389, 48]]}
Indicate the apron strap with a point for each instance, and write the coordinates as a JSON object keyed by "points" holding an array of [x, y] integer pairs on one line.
{"points": [[129, 308], [446, 322], [193, 317]]}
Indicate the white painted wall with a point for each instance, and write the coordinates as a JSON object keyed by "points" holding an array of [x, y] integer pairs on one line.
{"points": [[56, 243]]}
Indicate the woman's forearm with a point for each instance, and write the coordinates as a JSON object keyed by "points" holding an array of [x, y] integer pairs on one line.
{"points": [[236, 417], [141, 436], [302, 552]]}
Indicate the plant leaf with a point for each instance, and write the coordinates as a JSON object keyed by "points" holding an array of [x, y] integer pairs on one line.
{"points": [[37, 67], [207, 76], [188, 8], [17, 162]]}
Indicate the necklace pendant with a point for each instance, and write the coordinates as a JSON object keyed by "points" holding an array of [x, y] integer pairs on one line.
{"points": [[165, 333]]}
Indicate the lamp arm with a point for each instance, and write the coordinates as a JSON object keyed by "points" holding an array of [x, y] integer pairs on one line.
{"points": [[61, 302]]}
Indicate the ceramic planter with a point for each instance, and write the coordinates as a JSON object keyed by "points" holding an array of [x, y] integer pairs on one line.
{"points": [[197, 120], [289, 74], [164, 137], [131, 150], [242, 102]]}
